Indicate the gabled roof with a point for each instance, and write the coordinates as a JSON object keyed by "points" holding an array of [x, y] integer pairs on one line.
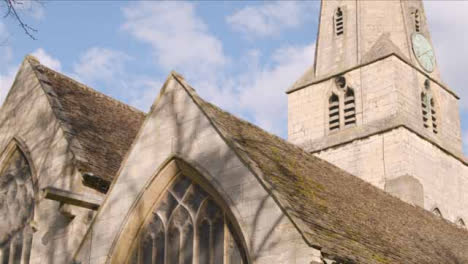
{"points": [[383, 47], [99, 128], [348, 219]]}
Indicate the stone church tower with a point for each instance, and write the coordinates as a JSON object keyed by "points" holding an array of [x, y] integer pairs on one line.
{"points": [[374, 104]]}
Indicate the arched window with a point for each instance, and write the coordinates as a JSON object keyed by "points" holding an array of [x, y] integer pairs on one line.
{"points": [[461, 223], [339, 22], [16, 209], [437, 212], [334, 112], [349, 108], [187, 227]]}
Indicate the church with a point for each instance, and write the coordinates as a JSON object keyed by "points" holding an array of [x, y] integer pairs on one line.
{"points": [[372, 171]]}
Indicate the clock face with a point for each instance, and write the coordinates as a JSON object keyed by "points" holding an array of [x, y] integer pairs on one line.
{"points": [[423, 51]]}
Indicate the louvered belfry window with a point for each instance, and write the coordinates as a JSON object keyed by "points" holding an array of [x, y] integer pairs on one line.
{"points": [[417, 21], [339, 22], [425, 109], [334, 112], [341, 106], [16, 210], [433, 116], [429, 109], [349, 108], [187, 227]]}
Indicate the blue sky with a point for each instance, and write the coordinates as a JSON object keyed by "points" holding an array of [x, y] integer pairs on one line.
{"points": [[240, 55]]}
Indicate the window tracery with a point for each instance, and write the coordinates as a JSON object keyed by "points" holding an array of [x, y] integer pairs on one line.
{"points": [[187, 227], [16, 210]]}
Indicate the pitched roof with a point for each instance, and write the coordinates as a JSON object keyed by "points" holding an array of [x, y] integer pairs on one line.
{"points": [[99, 128], [350, 220], [383, 47]]}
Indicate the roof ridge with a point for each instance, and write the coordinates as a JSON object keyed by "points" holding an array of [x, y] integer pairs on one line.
{"points": [[192, 92], [36, 64], [245, 158], [88, 117]]}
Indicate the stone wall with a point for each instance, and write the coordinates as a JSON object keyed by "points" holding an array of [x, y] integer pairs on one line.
{"points": [[176, 126], [376, 101], [409, 84], [365, 22], [389, 143], [27, 118], [336, 53], [384, 157], [388, 94]]}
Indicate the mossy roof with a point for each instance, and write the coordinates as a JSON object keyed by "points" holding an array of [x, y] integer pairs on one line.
{"points": [[99, 128], [348, 219]]}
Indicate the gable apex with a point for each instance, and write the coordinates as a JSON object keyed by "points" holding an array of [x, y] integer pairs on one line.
{"points": [[87, 117], [382, 48]]}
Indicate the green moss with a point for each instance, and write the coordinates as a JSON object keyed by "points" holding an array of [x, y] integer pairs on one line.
{"points": [[381, 259]]}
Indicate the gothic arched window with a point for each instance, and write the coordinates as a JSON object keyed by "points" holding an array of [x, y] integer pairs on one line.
{"points": [[339, 21], [461, 223], [349, 108], [334, 112], [16, 209], [187, 227]]}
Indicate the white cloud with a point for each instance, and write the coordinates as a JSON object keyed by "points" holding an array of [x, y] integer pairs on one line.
{"points": [[179, 38], [6, 52], [47, 60], [8, 74], [144, 94], [100, 64], [263, 94], [270, 18], [448, 25], [101, 67], [6, 80]]}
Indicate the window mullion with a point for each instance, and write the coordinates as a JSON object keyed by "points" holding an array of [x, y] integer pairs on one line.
{"points": [[226, 240], [4, 254], [211, 243], [27, 245]]}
